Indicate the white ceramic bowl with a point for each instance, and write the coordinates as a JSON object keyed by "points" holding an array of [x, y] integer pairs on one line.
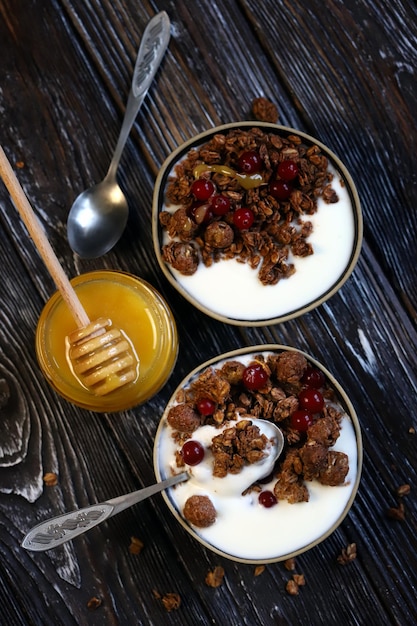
{"points": [[231, 291], [244, 530]]}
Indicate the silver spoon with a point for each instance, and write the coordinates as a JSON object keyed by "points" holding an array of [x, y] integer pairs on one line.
{"points": [[98, 216], [62, 528], [57, 530]]}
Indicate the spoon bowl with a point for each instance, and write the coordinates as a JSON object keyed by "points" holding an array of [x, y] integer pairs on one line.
{"points": [[97, 219], [99, 215], [235, 483]]}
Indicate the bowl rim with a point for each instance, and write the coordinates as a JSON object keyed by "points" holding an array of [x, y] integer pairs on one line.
{"points": [[158, 198], [342, 397]]}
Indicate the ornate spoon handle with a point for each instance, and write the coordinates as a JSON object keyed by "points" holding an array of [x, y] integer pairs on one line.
{"points": [[62, 528], [151, 52]]}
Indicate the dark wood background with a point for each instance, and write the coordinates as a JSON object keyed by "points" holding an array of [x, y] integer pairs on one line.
{"points": [[346, 73]]}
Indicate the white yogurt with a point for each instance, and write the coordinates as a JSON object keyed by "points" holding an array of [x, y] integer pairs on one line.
{"points": [[245, 529], [233, 289], [202, 479]]}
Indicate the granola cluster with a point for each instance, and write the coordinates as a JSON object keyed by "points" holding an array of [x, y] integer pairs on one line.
{"points": [[196, 235], [307, 455]]}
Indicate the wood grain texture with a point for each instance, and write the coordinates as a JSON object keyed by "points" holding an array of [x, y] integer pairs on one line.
{"points": [[345, 73]]}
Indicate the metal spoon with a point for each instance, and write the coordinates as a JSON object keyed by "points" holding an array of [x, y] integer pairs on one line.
{"points": [[62, 528], [57, 530], [98, 216]]}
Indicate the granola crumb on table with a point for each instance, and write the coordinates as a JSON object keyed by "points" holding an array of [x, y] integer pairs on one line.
{"points": [[264, 110], [280, 226], [347, 554], [215, 577], [171, 601], [136, 545]]}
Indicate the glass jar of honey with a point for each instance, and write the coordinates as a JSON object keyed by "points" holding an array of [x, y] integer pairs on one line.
{"points": [[134, 307]]}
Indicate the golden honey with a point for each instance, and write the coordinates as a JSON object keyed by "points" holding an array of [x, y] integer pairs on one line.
{"points": [[134, 307]]}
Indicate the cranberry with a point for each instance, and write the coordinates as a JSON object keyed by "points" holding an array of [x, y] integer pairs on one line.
{"points": [[206, 406], [254, 376], [313, 377], [287, 170], [220, 205], [267, 499], [192, 452], [249, 162], [243, 218], [301, 420], [202, 188], [311, 400], [201, 212], [280, 189]]}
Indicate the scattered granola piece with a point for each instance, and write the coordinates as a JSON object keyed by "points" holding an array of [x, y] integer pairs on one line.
{"points": [[50, 479], [412, 430], [215, 577], [259, 569], [397, 513], [136, 545], [171, 601], [93, 603], [347, 554], [299, 579], [264, 110], [403, 490], [20, 164], [292, 587], [289, 564]]}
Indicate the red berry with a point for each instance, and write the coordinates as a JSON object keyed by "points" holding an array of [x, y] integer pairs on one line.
{"points": [[254, 376], [267, 499], [313, 377], [220, 205], [202, 188], [311, 400], [301, 420], [280, 189], [192, 452], [206, 406], [287, 170], [201, 212], [249, 162], [243, 218]]}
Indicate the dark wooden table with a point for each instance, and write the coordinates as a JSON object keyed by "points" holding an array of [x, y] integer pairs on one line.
{"points": [[345, 73]]}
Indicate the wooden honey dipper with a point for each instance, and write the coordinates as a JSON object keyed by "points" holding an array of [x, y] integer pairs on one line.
{"points": [[101, 356]]}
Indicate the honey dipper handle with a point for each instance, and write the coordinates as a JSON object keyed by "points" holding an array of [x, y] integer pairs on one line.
{"points": [[41, 242]]}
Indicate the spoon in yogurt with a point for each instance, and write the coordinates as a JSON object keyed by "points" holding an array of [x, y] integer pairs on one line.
{"points": [[235, 484], [62, 528], [99, 214]]}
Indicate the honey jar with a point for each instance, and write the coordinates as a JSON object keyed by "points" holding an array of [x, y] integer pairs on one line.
{"points": [[135, 307]]}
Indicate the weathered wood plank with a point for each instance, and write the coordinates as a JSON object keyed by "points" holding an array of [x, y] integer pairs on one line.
{"points": [[344, 73]]}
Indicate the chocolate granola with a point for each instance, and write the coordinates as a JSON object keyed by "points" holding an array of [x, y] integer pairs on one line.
{"points": [[308, 453], [197, 235]]}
